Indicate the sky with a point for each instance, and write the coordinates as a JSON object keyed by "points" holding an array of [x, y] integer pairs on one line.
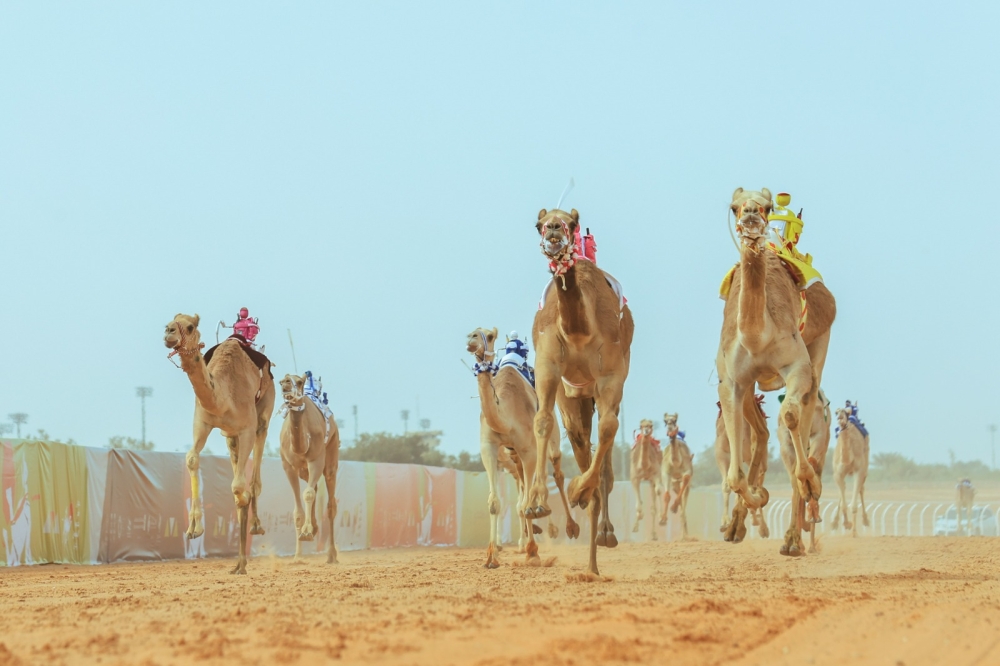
{"points": [[368, 175]]}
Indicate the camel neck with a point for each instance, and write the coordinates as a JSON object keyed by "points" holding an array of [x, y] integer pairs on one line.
{"points": [[572, 309], [753, 297], [488, 403], [201, 381], [296, 428]]}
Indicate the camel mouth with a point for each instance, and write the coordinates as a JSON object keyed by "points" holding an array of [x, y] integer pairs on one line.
{"points": [[553, 247]]}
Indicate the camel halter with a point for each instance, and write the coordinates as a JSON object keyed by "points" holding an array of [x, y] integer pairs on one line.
{"points": [[739, 227], [486, 364], [181, 350], [291, 408], [560, 264]]}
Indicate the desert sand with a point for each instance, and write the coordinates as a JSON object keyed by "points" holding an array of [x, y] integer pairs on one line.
{"points": [[860, 601]]}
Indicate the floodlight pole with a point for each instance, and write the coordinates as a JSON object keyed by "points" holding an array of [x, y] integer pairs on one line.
{"points": [[143, 392], [354, 410], [405, 414]]}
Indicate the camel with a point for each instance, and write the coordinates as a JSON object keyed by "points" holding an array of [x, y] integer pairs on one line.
{"points": [[722, 462], [965, 495], [583, 336], [819, 443], [850, 456], [676, 471], [767, 339], [310, 447], [235, 395], [645, 463], [508, 404]]}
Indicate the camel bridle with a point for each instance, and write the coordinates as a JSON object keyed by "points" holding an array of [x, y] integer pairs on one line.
{"points": [[566, 257], [180, 349]]}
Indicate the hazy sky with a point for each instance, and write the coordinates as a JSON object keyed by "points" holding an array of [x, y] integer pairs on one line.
{"points": [[368, 175]]}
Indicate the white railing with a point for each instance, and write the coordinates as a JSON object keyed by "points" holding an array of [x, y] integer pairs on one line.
{"points": [[892, 518]]}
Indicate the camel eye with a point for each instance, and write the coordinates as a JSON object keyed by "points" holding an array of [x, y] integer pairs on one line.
{"points": [[190, 328]]}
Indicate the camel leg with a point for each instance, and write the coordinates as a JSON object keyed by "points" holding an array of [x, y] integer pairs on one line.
{"points": [[792, 544], [489, 453], [726, 495], [862, 477], [331, 510], [584, 487], [255, 484], [799, 380], [298, 513], [595, 510], [759, 435], [854, 505], [840, 478], [686, 485], [637, 487], [606, 536], [732, 396], [547, 383], [201, 431], [239, 449], [308, 531], [528, 462], [555, 455]]}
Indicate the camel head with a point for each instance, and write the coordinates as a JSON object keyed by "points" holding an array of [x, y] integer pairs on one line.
{"points": [[842, 418], [481, 343], [557, 229], [671, 422], [646, 428], [751, 209], [182, 334], [293, 391]]}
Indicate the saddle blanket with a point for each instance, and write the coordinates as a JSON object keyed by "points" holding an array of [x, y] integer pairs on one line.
{"points": [[804, 274], [514, 360], [857, 424]]}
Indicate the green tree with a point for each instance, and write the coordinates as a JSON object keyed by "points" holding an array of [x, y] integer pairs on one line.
{"points": [[416, 448], [131, 443]]}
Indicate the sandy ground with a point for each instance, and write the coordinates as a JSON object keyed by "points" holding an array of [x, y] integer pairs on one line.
{"points": [[865, 601]]}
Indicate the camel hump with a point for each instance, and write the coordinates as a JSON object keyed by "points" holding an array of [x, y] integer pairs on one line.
{"points": [[262, 362]]}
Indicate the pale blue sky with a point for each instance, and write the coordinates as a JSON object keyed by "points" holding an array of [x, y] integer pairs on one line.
{"points": [[369, 175]]}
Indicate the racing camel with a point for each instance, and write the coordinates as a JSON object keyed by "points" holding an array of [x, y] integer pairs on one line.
{"points": [[583, 335], [234, 392], [774, 334]]}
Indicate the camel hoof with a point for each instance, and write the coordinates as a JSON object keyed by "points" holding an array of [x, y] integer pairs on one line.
{"points": [[635, 528], [572, 530], [663, 521], [848, 524], [194, 534], [553, 531], [610, 541], [306, 537], [536, 529], [239, 571], [864, 521], [491, 565], [537, 512], [332, 560], [257, 530], [600, 540], [764, 532]]}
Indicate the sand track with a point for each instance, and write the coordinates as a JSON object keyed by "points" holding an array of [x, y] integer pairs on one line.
{"points": [[876, 600]]}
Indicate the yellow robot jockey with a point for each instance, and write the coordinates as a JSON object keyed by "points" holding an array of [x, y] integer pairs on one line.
{"points": [[786, 229]]}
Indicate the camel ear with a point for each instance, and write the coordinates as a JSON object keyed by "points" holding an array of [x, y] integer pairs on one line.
{"points": [[542, 213], [766, 192], [196, 319], [737, 196], [575, 216], [495, 333]]}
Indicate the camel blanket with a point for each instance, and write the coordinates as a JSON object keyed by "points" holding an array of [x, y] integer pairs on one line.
{"points": [[262, 362]]}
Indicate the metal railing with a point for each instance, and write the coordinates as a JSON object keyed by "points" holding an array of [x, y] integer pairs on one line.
{"points": [[891, 518]]}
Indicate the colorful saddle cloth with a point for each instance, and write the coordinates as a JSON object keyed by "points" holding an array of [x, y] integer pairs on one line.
{"points": [[856, 422]]}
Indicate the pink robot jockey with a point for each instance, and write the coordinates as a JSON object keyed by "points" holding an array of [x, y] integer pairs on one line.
{"points": [[245, 327]]}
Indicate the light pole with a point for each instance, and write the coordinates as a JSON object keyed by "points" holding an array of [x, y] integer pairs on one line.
{"points": [[143, 392], [993, 443], [18, 418], [354, 410], [405, 414]]}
